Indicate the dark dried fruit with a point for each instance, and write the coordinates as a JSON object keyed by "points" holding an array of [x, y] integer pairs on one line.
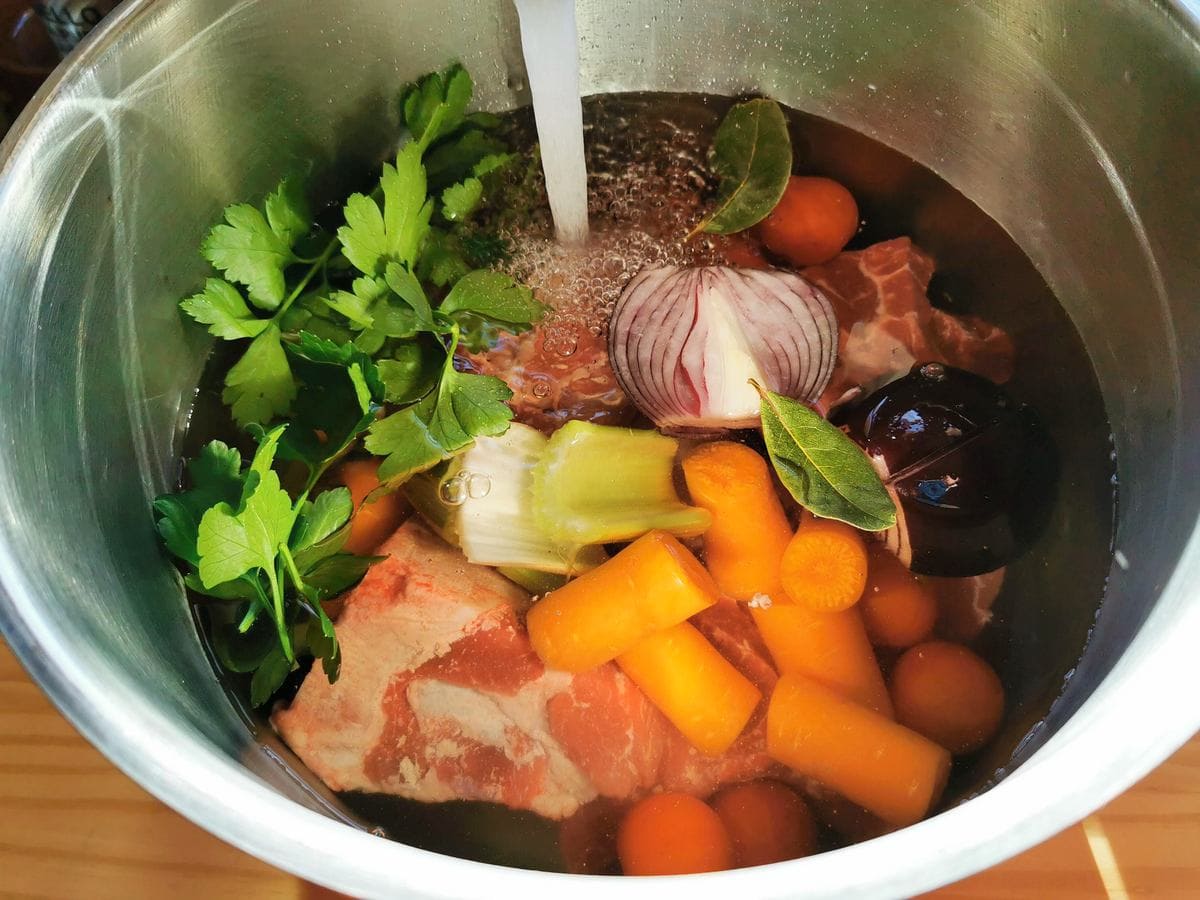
{"points": [[972, 472]]}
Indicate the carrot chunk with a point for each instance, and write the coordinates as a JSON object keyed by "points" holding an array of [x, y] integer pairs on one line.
{"points": [[652, 584], [829, 647], [767, 821], [693, 685], [374, 520], [749, 530], [898, 608], [673, 834], [825, 565], [888, 769], [950, 695]]}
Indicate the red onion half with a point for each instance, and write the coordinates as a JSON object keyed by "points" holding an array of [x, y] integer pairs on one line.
{"points": [[685, 342]]}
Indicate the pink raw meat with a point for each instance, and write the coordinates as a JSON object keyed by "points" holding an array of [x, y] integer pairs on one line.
{"points": [[441, 697], [886, 323]]}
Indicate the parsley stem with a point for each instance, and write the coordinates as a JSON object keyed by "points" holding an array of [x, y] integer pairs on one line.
{"points": [[317, 265], [290, 563], [285, 639]]}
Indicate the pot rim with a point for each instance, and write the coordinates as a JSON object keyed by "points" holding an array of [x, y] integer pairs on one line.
{"points": [[1051, 790]]}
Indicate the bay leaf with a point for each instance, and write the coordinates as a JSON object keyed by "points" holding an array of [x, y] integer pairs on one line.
{"points": [[752, 156], [825, 471]]}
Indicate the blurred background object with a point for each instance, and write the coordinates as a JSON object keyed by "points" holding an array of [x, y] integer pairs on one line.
{"points": [[69, 21], [34, 37]]}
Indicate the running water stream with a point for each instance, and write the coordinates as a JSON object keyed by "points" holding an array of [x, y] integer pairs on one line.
{"points": [[551, 49]]}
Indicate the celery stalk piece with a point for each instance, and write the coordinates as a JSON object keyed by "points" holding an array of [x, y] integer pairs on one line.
{"points": [[423, 492], [536, 583], [597, 484], [483, 502]]}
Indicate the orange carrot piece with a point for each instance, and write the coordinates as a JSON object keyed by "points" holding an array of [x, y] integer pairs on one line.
{"points": [[673, 834], [749, 531], [374, 520], [693, 685], [829, 647], [825, 565], [767, 821], [886, 768], [898, 608], [950, 695], [652, 584]]}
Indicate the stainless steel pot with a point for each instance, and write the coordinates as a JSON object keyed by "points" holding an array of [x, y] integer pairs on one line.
{"points": [[1075, 124]]}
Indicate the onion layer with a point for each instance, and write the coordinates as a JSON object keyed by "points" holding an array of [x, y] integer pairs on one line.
{"points": [[685, 342]]}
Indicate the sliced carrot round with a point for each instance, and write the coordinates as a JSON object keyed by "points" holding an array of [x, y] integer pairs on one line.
{"points": [[898, 608], [949, 694], [673, 834], [767, 822], [825, 565]]}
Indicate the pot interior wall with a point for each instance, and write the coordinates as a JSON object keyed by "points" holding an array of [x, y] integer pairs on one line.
{"points": [[1070, 134]]}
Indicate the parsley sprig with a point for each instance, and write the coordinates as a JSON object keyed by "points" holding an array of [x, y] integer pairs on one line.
{"points": [[351, 337]]}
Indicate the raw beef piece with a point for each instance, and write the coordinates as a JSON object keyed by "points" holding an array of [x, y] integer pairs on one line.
{"points": [[886, 322], [557, 373], [441, 697]]}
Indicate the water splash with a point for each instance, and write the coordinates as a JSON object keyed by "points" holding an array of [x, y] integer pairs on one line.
{"points": [[551, 48]]}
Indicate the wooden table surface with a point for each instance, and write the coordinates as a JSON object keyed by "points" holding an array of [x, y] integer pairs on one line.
{"points": [[72, 825]]}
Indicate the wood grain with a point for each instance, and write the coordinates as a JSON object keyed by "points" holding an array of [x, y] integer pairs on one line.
{"points": [[72, 825]]}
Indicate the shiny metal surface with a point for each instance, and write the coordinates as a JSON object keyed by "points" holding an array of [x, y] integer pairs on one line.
{"points": [[1073, 124]]}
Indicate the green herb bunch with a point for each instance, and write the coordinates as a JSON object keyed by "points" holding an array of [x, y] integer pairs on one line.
{"points": [[351, 337]]}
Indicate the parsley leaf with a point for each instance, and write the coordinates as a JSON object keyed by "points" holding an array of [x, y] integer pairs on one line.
{"points": [[269, 676], [248, 250], [220, 306], [320, 518], [495, 296], [334, 574], [413, 370], [463, 407], [215, 477], [357, 303], [340, 395], [460, 200], [436, 105], [406, 286], [455, 159], [288, 212], [442, 261], [260, 387], [373, 236], [233, 542]]}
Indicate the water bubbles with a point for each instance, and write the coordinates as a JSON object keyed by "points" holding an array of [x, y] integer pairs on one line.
{"points": [[541, 389], [464, 486], [453, 491], [478, 485], [644, 195]]}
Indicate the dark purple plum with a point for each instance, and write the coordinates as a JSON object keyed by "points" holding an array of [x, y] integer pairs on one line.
{"points": [[972, 471]]}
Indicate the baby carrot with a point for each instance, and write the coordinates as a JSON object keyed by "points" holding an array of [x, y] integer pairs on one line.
{"points": [[831, 648], [948, 694], [825, 565], [374, 520], [652, 584], [767, 822], [898, 608], [886, 768], [673, 834], [749, 530], [693, 685]]}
